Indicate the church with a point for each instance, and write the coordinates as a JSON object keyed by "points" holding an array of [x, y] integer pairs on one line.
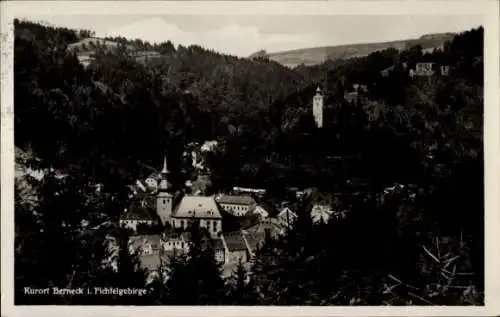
{"points": [[158, 204]]}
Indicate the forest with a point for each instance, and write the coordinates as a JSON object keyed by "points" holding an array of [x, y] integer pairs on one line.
{"points": [[423, 245]]}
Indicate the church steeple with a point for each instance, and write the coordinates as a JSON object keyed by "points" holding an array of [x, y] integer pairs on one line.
{"points": [[164, 171], [164, 184]]}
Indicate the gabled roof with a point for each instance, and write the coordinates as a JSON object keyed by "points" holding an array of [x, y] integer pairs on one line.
{"points": [[236, 199], [283, 213], [255, 239], [235, 241], [197, 207], [154, 175], [137, 211], [261, 211]]}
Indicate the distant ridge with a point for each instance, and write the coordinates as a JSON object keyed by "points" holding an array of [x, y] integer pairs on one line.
{"points": [[317, 55]]}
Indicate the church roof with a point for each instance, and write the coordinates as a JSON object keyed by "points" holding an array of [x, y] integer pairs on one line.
{"points": [[236, 200], [197, 207]]}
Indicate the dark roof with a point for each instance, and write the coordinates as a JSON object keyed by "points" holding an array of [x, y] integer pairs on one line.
{"points": [[260, 229], [255, 239], [236, 199], [268, 206], [235, 241], [137, 211], [186, 236], [231, 222], [218, 244]]}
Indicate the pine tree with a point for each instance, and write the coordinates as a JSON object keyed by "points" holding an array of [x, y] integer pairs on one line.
{"points": [[196, 279], [241, 290]]}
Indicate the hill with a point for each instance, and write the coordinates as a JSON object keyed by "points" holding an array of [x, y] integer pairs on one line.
{"points": [[318, 55]]}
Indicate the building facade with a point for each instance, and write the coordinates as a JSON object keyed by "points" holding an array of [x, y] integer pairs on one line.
{"points": [[202, 209], [237, 205]]}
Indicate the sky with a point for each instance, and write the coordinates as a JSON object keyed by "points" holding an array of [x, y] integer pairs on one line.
{"points": [[243, 35]]}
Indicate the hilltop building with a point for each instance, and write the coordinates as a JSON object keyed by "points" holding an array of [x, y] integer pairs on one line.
{"points": [[318, 107]]}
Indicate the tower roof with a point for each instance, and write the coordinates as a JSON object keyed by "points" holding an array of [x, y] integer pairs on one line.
{"points": [[164, 184], [164, 170], [318, 89]]}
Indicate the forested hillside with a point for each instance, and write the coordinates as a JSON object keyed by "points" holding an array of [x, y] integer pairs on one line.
{"points": [[318, 55], [422, 245]]}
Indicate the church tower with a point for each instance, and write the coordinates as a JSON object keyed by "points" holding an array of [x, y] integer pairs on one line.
{"points": [[318, 108], [164, 198]]}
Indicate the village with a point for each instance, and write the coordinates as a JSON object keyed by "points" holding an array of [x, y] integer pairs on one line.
{"points": [[237, 222]]}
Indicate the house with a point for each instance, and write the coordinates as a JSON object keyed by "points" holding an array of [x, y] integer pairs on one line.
{"points": [[175, 243], [238, 205], [254, 240], [261, 212], [424, 69], [321, 213], [270, 227], [286, 217], [150, 252], [137, 214], [219, 250], [236, 248], [145, 244], [152, 181]]}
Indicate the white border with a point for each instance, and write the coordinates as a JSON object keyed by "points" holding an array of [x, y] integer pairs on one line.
{"points": [[488, 9]]}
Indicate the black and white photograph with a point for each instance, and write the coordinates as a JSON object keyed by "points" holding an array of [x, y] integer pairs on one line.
{"points": [[243, 159]]}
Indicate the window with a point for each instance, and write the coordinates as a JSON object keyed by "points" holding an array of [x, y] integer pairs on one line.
{"points": [[164, 201], [182, 223]]}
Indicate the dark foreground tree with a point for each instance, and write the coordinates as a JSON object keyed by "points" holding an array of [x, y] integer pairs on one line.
{"points": [[196, 278]]}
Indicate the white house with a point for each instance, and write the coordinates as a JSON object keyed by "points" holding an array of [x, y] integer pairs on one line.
{"points": [[321, 213]]}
